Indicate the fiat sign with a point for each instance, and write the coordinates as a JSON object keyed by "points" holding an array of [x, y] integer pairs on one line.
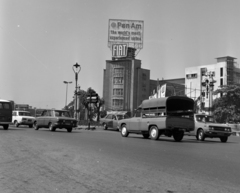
{"points": [[119, 50]]}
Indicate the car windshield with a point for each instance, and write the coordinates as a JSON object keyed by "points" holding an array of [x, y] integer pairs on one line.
{"points": [[24, 114], [122, 117], [62, 114], [203, 118]]}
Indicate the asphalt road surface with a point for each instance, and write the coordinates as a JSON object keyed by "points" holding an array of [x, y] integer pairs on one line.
{"points": [[104, 162]]}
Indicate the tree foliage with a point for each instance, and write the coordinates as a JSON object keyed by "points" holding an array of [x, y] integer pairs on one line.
{"points": [[227, 107]]}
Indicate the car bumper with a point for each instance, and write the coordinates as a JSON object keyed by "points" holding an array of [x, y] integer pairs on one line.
{"points": [[217, 134]]}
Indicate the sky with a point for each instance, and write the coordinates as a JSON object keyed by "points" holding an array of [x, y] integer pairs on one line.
{"points": [[40, 41]]}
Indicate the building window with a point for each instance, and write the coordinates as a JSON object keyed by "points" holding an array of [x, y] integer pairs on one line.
{"points": [[117, 102], [118, 70], [221, 72], [144, 76], [118, 92], [221, 81], [118, 80]]}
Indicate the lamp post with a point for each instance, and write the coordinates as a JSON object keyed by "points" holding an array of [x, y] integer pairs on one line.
{"points": [[76, 69], [66, 82]]}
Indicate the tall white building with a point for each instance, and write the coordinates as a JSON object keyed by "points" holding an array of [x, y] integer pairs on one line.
{"points": [[200, 79]]}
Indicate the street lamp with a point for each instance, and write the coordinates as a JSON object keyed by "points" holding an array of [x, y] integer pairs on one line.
{"points": [[76, 69], [66, 82]]}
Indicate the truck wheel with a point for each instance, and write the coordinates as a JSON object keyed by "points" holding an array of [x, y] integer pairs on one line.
{"points": [[223, 139], [178, 135], [201, 135], [124, 131], [5, 127], [16, 124], [145, 135], [104, 126], [154, 133], [69, 130]]}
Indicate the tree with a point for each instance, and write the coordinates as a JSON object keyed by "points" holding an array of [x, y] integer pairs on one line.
{"points": [[227, 107]]}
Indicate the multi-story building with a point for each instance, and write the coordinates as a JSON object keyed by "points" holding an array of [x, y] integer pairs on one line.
{"points": [[200, 81], [126, 84]]}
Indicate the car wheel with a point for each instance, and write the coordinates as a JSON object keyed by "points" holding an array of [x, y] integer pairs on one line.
{"points": [[124, 131], [35, 125], [30, 126], [69, 130], [105, 126], [223, 139], [145, 135], [154, 133], [201, 135], [51, 128], [178, 135], [5, 127], [16, 124]]}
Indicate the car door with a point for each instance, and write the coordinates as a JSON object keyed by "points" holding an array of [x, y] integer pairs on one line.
{"points": [[40, 119], [114, 122], [110, 120]]}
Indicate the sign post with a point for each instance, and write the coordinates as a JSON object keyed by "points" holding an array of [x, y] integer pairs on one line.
{"points": [[91, 98]]}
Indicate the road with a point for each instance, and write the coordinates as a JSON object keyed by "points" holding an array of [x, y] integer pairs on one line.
{"points": [[102, 161]]}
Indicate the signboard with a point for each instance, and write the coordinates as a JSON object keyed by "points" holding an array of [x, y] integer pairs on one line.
{"points": [[119, 50], [125, 31]]}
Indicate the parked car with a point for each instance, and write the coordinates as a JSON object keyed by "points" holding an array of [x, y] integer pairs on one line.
{"points": [[169, 116], [205, 126], [111, 120], [6, 109], [20, 117], [53, 119]]}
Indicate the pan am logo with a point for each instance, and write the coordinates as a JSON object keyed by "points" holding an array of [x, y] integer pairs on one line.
{"points": [[131, 25]]}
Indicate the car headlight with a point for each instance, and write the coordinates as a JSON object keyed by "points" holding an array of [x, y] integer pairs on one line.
{"points": [[211, 128]]}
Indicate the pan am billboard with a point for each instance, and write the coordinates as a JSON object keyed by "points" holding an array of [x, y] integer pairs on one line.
{"points": [[125, 31]]}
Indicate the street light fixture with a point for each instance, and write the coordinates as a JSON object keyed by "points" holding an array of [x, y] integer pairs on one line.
{"points": [[76, 69], [66, 82]]}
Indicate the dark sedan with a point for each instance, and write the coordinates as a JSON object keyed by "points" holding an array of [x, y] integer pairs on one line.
{"points": [[111, 120], [53, 119]]}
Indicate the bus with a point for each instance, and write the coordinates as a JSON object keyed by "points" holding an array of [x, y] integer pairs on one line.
{"points": [[6, 109]]}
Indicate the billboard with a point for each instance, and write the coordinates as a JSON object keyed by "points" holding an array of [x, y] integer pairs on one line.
{"points": [[128, 32]]}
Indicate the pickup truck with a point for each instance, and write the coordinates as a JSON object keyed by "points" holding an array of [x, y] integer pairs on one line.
{"points": [[169, 116], [205, 126]]}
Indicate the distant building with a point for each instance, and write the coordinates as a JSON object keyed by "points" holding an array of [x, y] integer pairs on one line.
{"points": [[200, 79]]}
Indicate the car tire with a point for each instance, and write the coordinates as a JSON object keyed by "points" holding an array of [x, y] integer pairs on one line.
{"points": [[51, 128], [105, 126], [5, 127], [16, 124], [154, 133], [69, 130], [223, 139], [124, 131], [145, 135], [201, 135], [35, 125], [178, 135]]}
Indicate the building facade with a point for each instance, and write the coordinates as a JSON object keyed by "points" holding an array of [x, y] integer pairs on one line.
{"points": [[201, 81], [125, 84]]}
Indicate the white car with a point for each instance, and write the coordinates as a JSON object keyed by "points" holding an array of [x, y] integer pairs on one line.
{"points": [[20, 117]]}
